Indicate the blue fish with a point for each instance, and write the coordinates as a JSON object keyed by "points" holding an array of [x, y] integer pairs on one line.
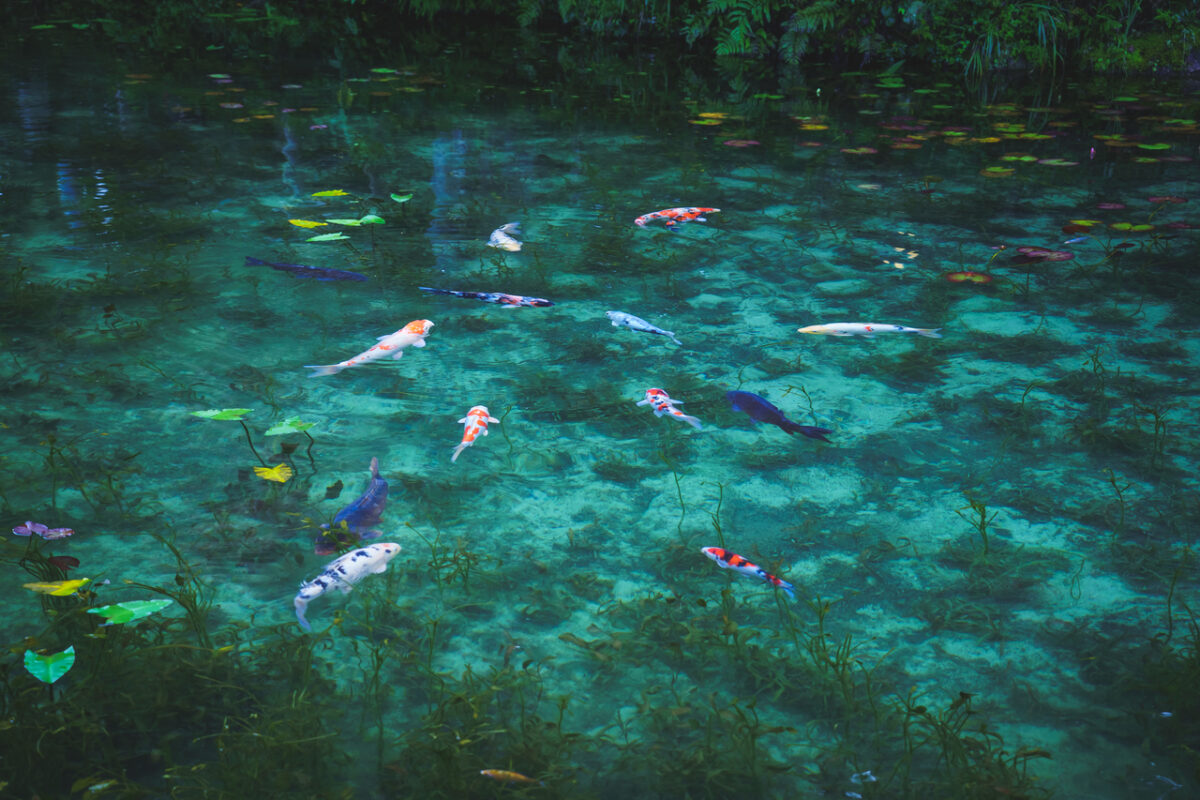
{"points": [[360, 518], [759, 409], [302, 271]]}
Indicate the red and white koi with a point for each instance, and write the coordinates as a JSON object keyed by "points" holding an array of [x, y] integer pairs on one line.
{"points": [[867, 329], [476, 423], [662, 404], [727, 559], [411, 335], [502, 237], [675, 216]]}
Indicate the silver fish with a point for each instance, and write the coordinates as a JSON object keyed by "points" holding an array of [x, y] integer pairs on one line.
{"points": [[343, 572], [620, 319]]}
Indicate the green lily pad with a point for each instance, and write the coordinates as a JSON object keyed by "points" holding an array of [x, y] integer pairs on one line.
{"points": [[327, 237], [354, 223], [371, 219], [120, 613], [50, 668], [289, 425], [222, 413], [1155, 146], [402, 198]]}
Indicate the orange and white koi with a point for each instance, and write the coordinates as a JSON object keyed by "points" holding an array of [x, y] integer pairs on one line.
{"points": [[729, 560], [662, 403], [674, 216], [476, 422], [502, 237], [411, 335], [867, 329], [508, 776]]}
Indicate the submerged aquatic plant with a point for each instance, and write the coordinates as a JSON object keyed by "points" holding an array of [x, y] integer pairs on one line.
{"points": [[235, 414]]}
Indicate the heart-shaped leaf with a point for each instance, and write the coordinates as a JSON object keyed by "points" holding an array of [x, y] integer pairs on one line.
{"points": [[222, 413], [331, 193], [50, 668], [402, 198], [289, 425], [57, 588], [327, 237], [306, 223], [120, 613]]}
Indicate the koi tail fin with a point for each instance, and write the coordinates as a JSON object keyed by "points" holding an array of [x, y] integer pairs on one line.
{"points": [[932, 333], [323, 369], [301, 605], [690, 420], [788, 589], [458, 451], [811, 431], [671, 336], [435, 291]]}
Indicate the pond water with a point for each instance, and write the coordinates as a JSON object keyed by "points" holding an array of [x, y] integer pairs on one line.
{"points": [[992, 554]]}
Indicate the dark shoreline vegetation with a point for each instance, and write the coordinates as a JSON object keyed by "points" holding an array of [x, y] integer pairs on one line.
{"points": [[974, 37]]}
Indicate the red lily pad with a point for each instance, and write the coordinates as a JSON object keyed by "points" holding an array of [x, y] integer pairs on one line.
{"points": [[740, 143], [1166, 198], [64, 562], [1110, 206]]}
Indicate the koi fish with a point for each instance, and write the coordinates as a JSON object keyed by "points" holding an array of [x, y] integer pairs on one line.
{"points": [[620, 319], [762, 411], [729, 560], [505, 300], [343, 572], [502, 237], [508, 776], [302, 271], [867, 329], [357, 521], [674, 216], [476, 421], [662, 403], [411, 335]]}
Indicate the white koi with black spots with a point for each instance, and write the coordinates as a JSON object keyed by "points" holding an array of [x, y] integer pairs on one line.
{"points": [[342, 573]]}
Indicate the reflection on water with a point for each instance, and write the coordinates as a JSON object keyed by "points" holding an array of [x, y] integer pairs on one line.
{"points": [[992, 554]]}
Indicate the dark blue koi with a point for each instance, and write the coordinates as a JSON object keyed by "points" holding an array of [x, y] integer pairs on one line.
{"points": [[759, 409], [359, 518], [301, 271]]}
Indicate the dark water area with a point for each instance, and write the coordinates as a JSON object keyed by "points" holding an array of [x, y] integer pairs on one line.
{"points": [[992, 556]]}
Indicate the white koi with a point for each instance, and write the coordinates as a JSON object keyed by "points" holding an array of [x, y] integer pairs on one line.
{"points": [[343, 572], [502, 237], [867, 329], [411, 335], [476, 423], [621, 319]]}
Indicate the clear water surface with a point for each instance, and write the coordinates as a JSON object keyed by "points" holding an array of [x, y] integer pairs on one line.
{"points": [[993, 555]]}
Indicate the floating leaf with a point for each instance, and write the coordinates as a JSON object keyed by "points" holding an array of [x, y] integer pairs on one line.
{"points": [[371, 219], [327, 237], [50, 668], [120, 613], [289, 425], [306, 223], [996, 172], [1154, 146], [334, 489], [278, 473], [57, 588], [1131, 227], [222, 413], [331, 193], [402, 198], [705, 121], [64, 562], [354, 223]]}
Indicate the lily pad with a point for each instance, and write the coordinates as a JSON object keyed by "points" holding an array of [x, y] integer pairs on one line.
{"points": [[331, 193], [306, 223], [353, 223], [327, 237], [371, 219], [222, 413], [402, 198], [289, 425], [57, 588], [120, 613], [49, 668]]}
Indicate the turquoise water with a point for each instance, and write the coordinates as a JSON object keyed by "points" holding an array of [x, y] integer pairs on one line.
{"points": [[1007, 511]]}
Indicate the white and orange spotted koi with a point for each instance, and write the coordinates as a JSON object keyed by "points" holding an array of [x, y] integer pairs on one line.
{"points": [[476, 423], [411, 335], [662, 404], [727, 559]]}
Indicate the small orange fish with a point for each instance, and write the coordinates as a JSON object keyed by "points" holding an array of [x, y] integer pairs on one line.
{"points": [[508, 776], [476, 422]]}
